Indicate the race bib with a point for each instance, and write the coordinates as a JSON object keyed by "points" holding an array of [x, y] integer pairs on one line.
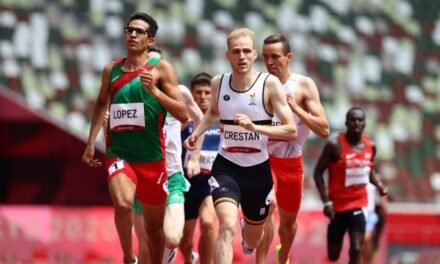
{"points": [[117, 165], [357, 176], [127, 117], [240, 140], [206, 159]]}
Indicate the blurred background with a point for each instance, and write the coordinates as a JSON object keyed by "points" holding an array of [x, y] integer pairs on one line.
{"points": [[383, 55]]}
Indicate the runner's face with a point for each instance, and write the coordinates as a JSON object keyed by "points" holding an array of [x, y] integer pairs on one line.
{"points": [[274, 58], [241, 54], [355, 122], [202, 96], [136, 36]]}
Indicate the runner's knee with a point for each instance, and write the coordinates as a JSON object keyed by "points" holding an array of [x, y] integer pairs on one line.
{"points": [[227, 229], [354, 252], [207, 224], [186, 242], [272, 207], [123, 203], [356, 247]]}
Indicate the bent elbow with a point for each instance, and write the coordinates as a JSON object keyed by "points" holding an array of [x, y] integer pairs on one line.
{"points": [[293, 133], [317, 176], [325, 133], [322, 130], [183, 117]]}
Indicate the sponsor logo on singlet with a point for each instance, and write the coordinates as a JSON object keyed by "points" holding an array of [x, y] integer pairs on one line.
{"points": [[212, 132], [213, 183], [252, 98]]}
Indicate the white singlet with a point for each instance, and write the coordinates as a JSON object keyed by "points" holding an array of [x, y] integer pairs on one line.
{"points": [[238, 145], [173, 145], [292, 148]]}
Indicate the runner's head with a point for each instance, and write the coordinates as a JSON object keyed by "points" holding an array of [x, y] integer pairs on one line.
{"points": [[201, 90], [152, 26], [140, 32], [277, 54], [355, 120], [241, 51]]}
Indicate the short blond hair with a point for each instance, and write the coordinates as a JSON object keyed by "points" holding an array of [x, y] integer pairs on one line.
{"points": [[241, 32]]}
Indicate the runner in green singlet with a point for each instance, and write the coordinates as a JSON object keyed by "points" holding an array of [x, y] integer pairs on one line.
{"points": [[138, 91]]}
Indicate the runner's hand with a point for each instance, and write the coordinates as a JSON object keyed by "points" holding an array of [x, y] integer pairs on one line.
{"points": [[329, 211], [146, 78], [291, 101], [245, 122], [88, 155], [105, 121], [191, 142], [383, 190], [193, 167]]}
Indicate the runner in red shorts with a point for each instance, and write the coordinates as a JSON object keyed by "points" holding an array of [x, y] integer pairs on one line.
{"points": [[138, 91], [349, 159], [286, 158]]}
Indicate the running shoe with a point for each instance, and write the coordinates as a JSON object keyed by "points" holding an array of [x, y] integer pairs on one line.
{"points": [[246, 249], [194, 257], [172, 256], [277, 255], [134, 261]]}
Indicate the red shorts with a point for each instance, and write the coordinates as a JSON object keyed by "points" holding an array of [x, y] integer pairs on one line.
{"points": [[149, 177], [288, 177]]}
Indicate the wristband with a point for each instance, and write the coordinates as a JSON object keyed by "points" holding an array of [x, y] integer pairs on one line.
{"points": [[328, 203]]}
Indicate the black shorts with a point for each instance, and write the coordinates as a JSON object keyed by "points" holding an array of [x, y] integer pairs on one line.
{"points": [[199, 190], [251, 187], [351, 221]]}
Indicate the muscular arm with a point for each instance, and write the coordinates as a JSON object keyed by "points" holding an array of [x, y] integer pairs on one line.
{"points": [[383, 190], [277, 100], [328, 155], [98, 115], [196, 116], [170, 96], [194, 111], [313, 114]]}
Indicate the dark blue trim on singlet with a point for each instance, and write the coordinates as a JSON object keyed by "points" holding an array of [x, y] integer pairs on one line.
{"points": [[219, 89], [264, 90], [250, 87], [256, 122]]}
